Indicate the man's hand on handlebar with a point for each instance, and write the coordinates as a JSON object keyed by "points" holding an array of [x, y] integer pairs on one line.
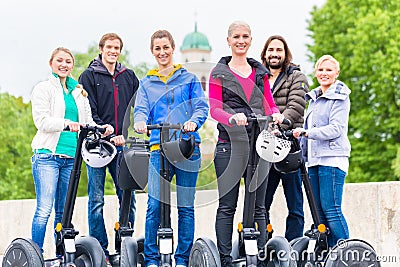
{"points": [[118, 140], [278, 118], [109, 129], [140, 127]]}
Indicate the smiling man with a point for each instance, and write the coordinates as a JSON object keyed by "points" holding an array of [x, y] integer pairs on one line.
{"points": [[110, 86], [288, 85]]}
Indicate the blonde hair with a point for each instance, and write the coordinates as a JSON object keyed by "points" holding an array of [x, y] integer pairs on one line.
{"points": [[236, 24], [325, 58], [63, 49]]}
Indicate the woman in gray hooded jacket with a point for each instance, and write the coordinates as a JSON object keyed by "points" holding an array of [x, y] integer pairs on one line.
{"points": [[325, 145]]}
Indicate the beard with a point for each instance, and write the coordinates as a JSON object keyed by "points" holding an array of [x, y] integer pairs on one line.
{"points": [[275, 65]]}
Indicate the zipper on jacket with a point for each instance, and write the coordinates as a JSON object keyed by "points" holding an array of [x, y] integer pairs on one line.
{"points": [[116, 100], [116, 103]]}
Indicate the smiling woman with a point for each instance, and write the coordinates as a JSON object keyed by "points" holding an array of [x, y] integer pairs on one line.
{"points": [[172, 95], [325, 145], [57, 103]]}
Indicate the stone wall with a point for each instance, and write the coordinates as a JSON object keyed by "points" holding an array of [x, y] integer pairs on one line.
{"points": [[371, 209]]}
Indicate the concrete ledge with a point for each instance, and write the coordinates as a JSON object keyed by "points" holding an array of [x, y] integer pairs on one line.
{"points": [[372, 211]]}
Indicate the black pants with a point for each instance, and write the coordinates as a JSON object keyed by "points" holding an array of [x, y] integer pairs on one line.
{"points": [[230, 165]]}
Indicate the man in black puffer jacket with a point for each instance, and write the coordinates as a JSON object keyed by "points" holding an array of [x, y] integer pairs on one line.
{"points": [[288, 85]]}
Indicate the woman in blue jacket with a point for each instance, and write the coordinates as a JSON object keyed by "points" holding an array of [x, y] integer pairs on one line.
{"points": [[170, 94], [326, 147]]}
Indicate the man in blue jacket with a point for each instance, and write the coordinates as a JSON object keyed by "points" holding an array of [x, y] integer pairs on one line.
{"points": [[110, 86]]}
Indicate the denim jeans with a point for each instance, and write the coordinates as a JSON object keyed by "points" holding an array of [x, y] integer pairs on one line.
{"points": [[291, 183], [231, 165], [96, 180], [186, 173], [327, 185], [51, 175]]}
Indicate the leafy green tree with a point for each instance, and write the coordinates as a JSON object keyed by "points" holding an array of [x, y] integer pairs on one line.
{"points": [[16, 180], [364, 37]]}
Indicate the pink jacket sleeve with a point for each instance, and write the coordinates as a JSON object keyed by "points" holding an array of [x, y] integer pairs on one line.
{"points": [[215, 97], [269, 103]]}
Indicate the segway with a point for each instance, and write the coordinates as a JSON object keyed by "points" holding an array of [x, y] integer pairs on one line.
{"points": [[244, 250], [312, 249], [165, 235], [132, 175], [82, 251]]}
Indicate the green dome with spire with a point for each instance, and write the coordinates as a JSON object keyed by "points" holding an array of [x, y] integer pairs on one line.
{"points": [[195, 40]]}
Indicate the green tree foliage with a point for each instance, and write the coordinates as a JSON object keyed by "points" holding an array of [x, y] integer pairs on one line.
{"points": [[16, 180], [364, 37]]}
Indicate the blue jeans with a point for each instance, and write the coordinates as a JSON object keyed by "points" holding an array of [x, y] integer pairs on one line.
{"points": [[96, 180], [186, 174], [291, 183], [327, 185], [51, 175]]}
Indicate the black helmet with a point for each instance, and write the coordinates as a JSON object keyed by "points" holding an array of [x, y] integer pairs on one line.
{"points": [[290, 163], [180, 149]]}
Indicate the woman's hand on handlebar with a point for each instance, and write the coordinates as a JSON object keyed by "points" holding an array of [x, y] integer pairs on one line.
{"points": [[297, 132], [238, 119], [140, 127], [73, 126], [189, 126]]}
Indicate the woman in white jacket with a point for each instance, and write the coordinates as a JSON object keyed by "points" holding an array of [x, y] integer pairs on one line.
{"points": [[56, 103]]}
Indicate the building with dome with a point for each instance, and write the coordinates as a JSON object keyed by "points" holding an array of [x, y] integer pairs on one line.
{"points": [[196, 58], [196, 55]]}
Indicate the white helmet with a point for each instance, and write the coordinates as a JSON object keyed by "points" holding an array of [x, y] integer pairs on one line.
{"points": [[97, 153], [272, 148]]}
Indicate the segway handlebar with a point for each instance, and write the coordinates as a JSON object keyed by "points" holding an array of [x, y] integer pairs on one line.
{"points": [[289, 133], [164, 126], [136, 141], [268, 118], [89, 128]]}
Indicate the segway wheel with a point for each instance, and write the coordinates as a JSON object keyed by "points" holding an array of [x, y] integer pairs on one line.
{"points": [[204, 253], [299, 249], [279, 253], [235, 250], [166, 260], [89, 253], [23, 252], [251, 261], [129, 250], [352, 253], [140, 251]]}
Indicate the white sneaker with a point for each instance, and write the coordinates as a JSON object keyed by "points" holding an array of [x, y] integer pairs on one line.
{"points": [[180, 266], [152, 265]]}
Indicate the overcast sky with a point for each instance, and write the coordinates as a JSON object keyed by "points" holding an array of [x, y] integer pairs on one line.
{"points": [[32, 29]]}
